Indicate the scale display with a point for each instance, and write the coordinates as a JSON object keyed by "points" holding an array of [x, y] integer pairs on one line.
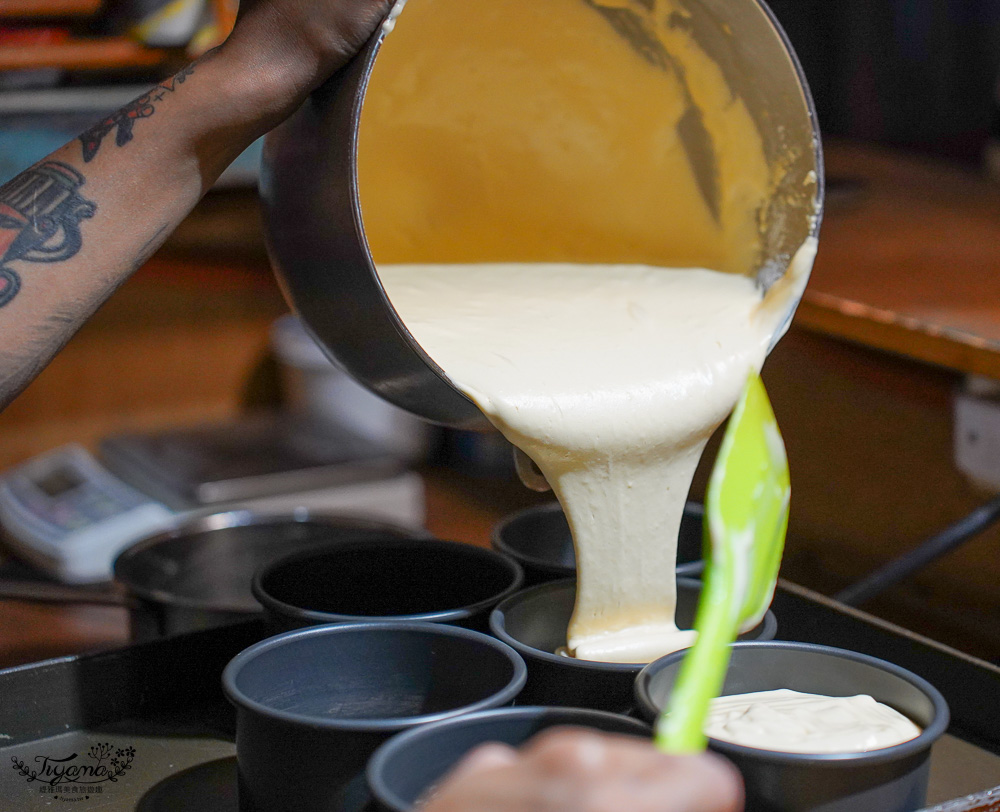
{"points": [[70, 516]]}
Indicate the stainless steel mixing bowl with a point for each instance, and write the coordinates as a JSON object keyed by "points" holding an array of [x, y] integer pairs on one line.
{"points": [[315, 225]]}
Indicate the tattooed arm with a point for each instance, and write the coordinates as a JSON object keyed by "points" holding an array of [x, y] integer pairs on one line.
{"points": [[76, 225]]}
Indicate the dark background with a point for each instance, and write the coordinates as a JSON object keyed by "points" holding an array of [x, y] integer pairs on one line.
{"points": [[919, 74]]}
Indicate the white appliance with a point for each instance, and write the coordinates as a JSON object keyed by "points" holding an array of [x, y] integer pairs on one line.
{"points": [[70, 514]]}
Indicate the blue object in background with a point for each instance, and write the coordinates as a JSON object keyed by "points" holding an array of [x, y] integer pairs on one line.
{"points": [[36, 123]]}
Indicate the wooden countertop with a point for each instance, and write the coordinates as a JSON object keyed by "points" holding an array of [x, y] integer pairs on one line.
{"points": [[909, 259]]}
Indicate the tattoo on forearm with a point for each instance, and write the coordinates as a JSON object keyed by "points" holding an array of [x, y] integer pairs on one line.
{"points": [[124, 119], [40, 214]]}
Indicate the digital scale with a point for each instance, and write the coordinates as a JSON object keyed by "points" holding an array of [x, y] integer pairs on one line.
{"points": [[71, 514]]}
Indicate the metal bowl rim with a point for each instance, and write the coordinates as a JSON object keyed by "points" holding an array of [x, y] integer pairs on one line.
{"points": [[246, 657], [692, 510], [928, 735], [226, 519], [292, 611], [369, 54], [499, 629], [390, 748]]}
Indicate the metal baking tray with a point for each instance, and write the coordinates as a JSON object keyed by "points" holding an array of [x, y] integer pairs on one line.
{"points": [[146, 727], [965, 765]]}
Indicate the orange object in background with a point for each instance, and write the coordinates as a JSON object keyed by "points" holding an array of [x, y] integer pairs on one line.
{"points": [[80, 54], [12, 35], [49, 8], [225, 14]]}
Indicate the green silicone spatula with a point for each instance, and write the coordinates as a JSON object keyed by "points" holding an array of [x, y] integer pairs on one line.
{"points": [[746, 517]]}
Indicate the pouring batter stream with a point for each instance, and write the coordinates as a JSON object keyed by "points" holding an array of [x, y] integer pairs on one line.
{"points": [[611, 378]]}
